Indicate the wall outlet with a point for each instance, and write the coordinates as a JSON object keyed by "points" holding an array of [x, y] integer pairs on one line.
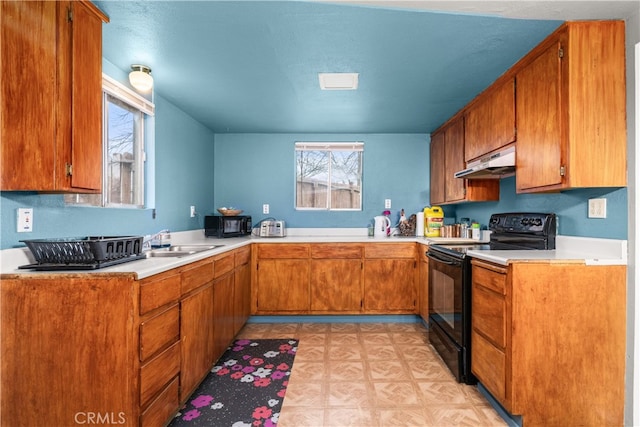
{"points": [[387, 203], [25, 220], [192, 211], [265, 208], [598, 208]]}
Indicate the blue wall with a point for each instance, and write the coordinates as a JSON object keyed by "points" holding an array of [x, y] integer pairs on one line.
{"points": [[570, 206], [253, 169], [184, 177], [196, 167]]}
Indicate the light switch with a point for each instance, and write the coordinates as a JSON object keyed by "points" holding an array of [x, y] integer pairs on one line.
{"points": [[25, 220]]}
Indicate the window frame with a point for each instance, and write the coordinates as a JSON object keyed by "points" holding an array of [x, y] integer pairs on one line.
{"points": [[331, 147], [112, 90]]}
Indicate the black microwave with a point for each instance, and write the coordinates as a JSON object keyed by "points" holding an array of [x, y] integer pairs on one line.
{"points": [[227, 226]]}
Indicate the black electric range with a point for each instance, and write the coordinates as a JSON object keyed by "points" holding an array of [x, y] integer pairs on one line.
{"points": [[450, 282]]}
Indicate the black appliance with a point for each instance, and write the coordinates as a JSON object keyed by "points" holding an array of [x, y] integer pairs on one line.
{"points": [[450, 282], [227, 226]]}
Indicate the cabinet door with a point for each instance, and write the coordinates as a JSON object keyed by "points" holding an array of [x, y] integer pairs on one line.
{"points": [[390, 285], [283, 285], [336, 285], [454, 161], [28, 52], [539, 156], [86, 96], [491, 121], [222, 315], [241, 297], [196, 325], [437, 185]]}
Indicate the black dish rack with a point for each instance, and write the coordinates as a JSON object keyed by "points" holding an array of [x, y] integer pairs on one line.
{"points": [[87, 253]]}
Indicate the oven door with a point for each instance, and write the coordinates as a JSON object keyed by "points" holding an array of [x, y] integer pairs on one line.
{"points": [[447, 277]]}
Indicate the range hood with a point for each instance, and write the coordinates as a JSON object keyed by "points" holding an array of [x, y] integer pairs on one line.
{"points": [[493, 166]]}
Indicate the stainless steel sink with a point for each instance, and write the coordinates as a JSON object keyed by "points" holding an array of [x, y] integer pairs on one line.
{"points": [[192, 248], [177, 251]]}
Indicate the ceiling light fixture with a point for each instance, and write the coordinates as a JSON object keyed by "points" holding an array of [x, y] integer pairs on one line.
{"points": [[140, 77], [338, 81]]}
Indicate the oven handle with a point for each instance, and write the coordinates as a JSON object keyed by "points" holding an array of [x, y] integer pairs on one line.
{"points": [[442, 260]]}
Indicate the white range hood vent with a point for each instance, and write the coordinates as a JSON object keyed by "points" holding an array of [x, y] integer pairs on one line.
{"points": [[493, 166]]}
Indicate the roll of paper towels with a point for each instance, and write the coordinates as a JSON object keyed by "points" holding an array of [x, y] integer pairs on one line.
{"points": [[420, 224]]}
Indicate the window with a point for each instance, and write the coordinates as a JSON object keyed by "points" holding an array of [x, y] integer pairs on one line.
{"points": [[123, 149], [329, 175]]}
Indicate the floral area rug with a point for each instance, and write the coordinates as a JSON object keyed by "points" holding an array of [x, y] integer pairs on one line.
{"points": [[245, 388]]}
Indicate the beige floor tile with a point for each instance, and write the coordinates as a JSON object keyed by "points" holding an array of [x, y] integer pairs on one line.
{"points": [[351, 370], [392, 394], [307, 370], [344, 338], [350, 394], [302, 393], [345, 352], [429, 370], [310, 353], [292, 416], [492, 417], [350, 328], [456, 416], [405, 417], [315, 328], [388, 370], [439, 393], [373, 327], [413, 338], [313, 338], [415, 352], [380, 352], [375, 338], [406, 327], [350, 417]]}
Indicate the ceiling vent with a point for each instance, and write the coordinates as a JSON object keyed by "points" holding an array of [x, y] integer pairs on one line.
{"points": [[338, 81]]}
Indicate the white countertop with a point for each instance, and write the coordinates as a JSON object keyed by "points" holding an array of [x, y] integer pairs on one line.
{"points": [[587, 250], [579, 249]]}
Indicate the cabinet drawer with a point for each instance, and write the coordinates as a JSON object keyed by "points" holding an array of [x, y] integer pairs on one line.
{"points": [[156, 292], [223, 265], [390, 250], [489, 279], [489, 365], [155, 374], [489, 314], [332, 250], [159, 331], [163, 407], [242, 256], [283, 250], [196, 276]]}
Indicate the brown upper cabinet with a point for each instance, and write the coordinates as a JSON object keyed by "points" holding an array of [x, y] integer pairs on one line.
{"points": [[491, 121], [447, 157], [563, 106], [571, 110], [51, 119]]}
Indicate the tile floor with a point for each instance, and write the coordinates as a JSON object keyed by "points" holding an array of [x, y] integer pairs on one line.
{"points": [[371, 375]]}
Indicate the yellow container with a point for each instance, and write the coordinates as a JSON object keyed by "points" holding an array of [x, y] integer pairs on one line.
{"points": [[433, 221]]}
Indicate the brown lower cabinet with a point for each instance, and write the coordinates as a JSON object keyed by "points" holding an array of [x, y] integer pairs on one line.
{"points": [[335, 278], [548, 340], [80, 347]]}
